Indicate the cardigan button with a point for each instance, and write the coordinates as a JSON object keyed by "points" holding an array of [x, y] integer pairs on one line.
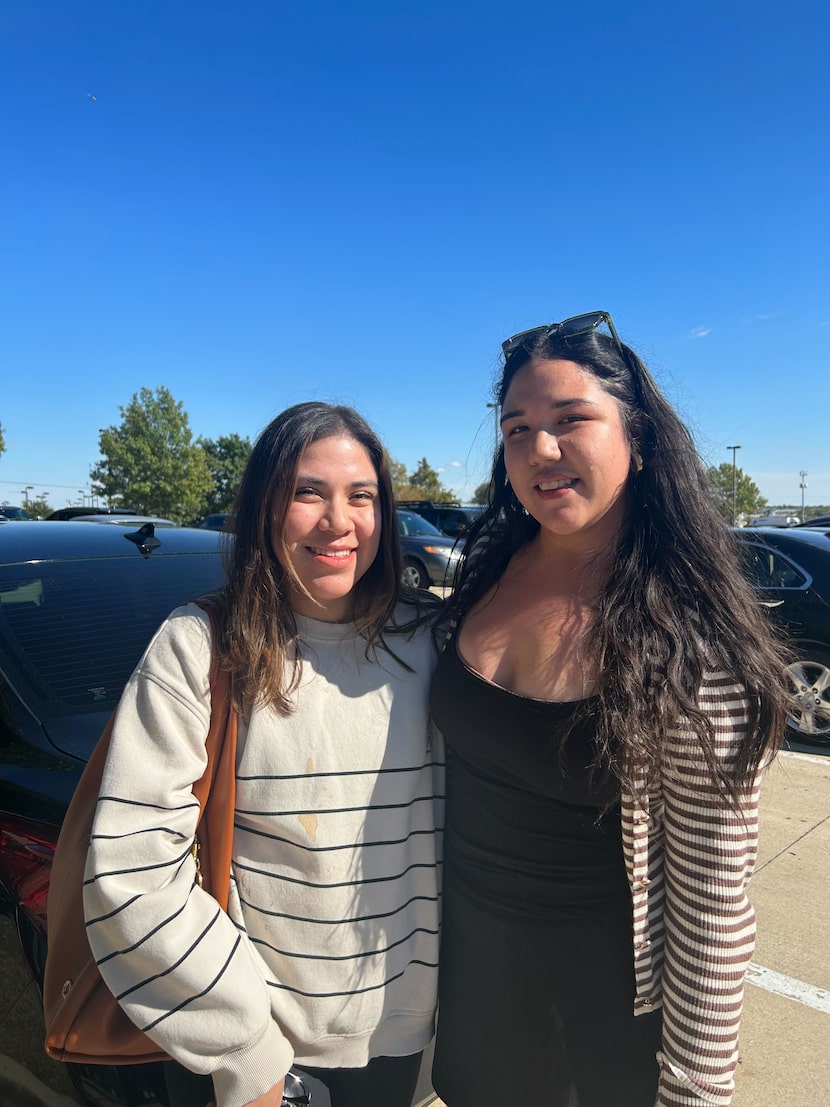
{"points": [[640, 884]]}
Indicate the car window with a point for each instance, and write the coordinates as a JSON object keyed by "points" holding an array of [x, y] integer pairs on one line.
{"points": [[410, 523], [770, 569], [74, 631]]}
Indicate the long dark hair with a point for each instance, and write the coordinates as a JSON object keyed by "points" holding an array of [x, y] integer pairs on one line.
{"points": [[258, 629], [676, 603]]}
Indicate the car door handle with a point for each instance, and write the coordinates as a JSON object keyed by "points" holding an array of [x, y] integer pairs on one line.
{"points": [[770, 603]]}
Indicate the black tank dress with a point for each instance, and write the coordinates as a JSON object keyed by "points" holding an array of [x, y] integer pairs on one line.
{"points": [[536, 984]]}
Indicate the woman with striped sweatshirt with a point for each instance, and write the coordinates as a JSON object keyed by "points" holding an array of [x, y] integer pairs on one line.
{"points": [[327, 955], [608, 696]]}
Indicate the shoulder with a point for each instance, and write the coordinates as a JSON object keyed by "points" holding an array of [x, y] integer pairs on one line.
{"points": [[183, 643]]}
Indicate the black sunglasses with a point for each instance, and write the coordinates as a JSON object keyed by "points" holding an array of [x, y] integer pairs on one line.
{"points": [[577, 324]]}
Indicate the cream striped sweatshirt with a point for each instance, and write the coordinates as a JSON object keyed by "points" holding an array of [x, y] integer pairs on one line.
{"points": [[328, 953]]}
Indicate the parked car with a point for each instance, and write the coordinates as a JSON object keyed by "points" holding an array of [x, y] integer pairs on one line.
{"points": [[216, 521], [130, 520], [73, 512], [791, 570], [78, 605], [816, 521], [429, 557], [15, 514], [450, 519]]}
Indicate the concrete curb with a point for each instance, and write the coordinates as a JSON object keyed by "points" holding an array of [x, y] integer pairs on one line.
{"points": [[19, 1088]]}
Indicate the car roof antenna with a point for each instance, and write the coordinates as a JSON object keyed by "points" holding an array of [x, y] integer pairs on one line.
{"points": [[144, 538]]}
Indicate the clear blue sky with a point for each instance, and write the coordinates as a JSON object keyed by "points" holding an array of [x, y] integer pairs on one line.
{"points": [[261, 202]]}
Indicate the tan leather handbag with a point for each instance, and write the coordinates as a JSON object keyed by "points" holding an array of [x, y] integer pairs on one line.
{"points": [[84, 1022]]}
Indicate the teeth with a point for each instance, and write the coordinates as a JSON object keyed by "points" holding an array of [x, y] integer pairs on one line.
{"points": [[330, 553], [551, 485]]}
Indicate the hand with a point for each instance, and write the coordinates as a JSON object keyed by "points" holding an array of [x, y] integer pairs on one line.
{"points": [[268, 1099]]}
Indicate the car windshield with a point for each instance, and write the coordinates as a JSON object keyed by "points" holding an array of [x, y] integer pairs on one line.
{"points": [[410, 523], [73, 631]]}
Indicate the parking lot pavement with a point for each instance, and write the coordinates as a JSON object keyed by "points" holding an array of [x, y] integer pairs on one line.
{"points": [[784, 1062]]}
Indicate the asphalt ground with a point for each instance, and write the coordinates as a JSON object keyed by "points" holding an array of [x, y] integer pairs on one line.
{"points": [[785, 1059]]}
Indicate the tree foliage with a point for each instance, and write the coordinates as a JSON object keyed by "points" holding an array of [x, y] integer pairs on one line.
{"points": [[748, 498], [149, 462], [482, 493], [2, 440], [226, 458], [423, 483]]}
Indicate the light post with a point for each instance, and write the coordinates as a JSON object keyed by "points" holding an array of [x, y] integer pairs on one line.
{"points": [[803, 474], [734, 450], [495, 409], [25, 493]]}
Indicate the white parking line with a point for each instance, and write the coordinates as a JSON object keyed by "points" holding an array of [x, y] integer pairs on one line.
{"points": [[789, 988]]}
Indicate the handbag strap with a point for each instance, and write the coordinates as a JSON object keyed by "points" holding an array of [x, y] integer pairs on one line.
{"points": [[216, 790]]}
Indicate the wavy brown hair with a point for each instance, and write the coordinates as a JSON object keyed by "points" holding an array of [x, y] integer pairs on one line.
{"points": [[677, 601], [258, 632]]}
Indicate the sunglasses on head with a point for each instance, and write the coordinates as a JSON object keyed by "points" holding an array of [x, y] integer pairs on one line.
{"points": [[568, 328]]}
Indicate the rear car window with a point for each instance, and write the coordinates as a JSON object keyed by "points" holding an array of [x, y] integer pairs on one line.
{"points": [[71, 632], [769, 569]]}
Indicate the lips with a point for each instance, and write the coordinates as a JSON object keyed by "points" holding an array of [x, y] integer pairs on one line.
{"points": [[555, 485], [340, 555]]}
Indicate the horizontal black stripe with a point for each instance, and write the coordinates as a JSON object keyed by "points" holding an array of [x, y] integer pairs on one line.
{"points": [[341, 810], [329, 849], [136, 833], [149, 806], [353, 991], [339, 922], [138, 868], [344, 773], [175, 965], [113, 913], [192, 999], [283, 879], [141, 941], [343, 956]]}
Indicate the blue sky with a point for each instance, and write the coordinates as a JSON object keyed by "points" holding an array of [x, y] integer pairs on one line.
{"points": [[264, 202]]}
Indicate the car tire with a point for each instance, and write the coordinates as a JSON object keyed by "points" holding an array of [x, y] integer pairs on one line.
{"points": [[414, 575], [809, 686]]}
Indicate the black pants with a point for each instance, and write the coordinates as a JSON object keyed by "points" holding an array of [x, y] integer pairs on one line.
{"points": [[384, 1082]]}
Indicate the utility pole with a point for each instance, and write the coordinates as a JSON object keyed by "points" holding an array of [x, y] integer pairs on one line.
{"points": [[495, 408], [734, 450], [803, 474]]}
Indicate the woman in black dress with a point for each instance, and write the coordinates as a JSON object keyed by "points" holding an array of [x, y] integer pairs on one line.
{"points": [[608, 692]]}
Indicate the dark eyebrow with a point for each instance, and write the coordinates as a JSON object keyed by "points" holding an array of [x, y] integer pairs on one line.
{"points": [[316, 482], [519, 412]]}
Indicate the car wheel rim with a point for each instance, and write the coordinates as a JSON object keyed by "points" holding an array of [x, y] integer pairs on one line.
{"points": [[810, 699], [411, 576]]}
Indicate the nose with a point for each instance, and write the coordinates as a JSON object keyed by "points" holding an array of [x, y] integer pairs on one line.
{"points": [[544, 446], [336, 518]]}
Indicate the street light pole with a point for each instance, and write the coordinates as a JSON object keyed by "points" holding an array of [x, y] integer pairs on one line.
{"points": [[803, 474], [734, 450]]}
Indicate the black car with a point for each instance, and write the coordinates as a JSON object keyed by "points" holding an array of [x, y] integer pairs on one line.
{"points": [[450, 519], [429, 557], [816, 521], [78, 606], [791, 570]]}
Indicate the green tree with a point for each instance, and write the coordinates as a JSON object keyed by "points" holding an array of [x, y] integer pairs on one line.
{"points": [[149, 462], [427, 484], [400, 480], [2, 440], [226, 458], [748, 498], [482, 493], [39, 507]]}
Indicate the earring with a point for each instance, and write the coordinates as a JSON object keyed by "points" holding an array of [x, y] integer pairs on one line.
{"points": [[638, 463]]}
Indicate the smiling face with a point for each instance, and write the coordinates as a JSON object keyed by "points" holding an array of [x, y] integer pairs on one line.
{"points": [[566, 452], [331, 532]]}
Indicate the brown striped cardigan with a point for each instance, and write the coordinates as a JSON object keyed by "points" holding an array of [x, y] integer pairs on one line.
{"points": [[689, 858]]}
